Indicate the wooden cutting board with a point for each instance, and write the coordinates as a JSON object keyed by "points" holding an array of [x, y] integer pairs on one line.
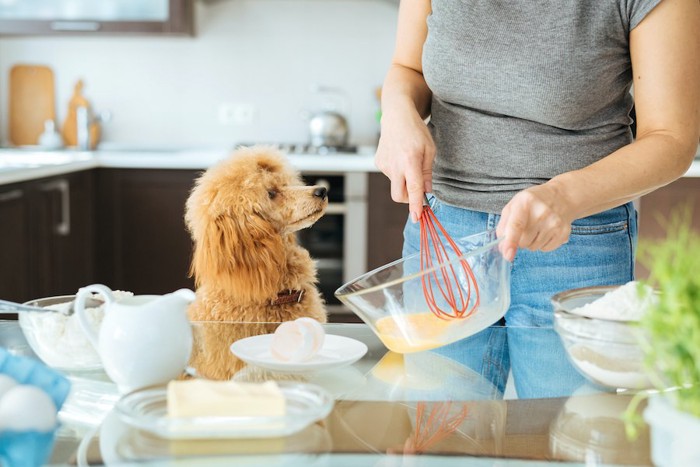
{"points": [[32, 102]]}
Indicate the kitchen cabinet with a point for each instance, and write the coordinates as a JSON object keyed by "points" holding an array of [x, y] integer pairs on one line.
{"points": [[65, 235], [386, 220], [658, 205], [55, 17], [143, 245], [47, 247], [15, 241]]}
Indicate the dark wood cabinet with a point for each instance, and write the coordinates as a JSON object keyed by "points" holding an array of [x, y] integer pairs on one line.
{"points": [[58, 17], [65, 236], [385, 223], [143, 244], [15, 240], [656, 207], [46, 236]]}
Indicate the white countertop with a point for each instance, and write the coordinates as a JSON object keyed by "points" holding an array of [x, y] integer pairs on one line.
{"points": [[18, 165]]}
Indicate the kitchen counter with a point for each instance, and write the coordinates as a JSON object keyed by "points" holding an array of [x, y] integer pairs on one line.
{"points": [[21, 165], [375, 420], [17, 165]]}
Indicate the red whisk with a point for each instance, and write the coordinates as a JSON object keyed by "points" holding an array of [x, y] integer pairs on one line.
{"points": [[444, 273], [433, 425]]}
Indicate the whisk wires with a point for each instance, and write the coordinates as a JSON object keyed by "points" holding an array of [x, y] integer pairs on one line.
{"points": [[434, 424], [444, 274]]}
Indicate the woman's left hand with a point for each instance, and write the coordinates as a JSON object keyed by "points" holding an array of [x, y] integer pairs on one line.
{"points": [[536, 219]]}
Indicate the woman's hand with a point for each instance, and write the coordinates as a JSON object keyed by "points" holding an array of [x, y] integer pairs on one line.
{"points": [[536, 218], [406, 150], [405, 154]]}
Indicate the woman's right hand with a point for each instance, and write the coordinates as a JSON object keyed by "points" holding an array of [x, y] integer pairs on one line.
{"points": [[405, 154]]}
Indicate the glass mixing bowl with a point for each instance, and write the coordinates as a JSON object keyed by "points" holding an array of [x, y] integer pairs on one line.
{"points": [[391, 299], [606, 352], [57, 339]]}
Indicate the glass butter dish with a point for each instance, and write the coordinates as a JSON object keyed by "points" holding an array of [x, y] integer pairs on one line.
{"points": [[146, 409]]}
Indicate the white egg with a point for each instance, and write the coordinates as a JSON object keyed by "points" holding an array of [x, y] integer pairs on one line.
{"points": [[297, 341], [27, 408], [285, 340], [6, 383], [318, 335]]}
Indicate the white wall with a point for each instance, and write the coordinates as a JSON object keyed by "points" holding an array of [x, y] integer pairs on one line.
{"points": [[167, 90]]}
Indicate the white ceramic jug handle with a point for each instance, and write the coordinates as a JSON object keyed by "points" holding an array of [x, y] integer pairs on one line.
{"points": [[83, 294]]}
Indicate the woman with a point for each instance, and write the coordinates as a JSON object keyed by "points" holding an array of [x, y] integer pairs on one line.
{"points": [[529, 133]]}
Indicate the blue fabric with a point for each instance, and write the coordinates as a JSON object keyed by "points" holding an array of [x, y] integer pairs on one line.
{"points": [[600, 251]]}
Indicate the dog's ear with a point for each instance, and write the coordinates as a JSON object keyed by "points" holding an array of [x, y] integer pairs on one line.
{"points": [[241, 255]]}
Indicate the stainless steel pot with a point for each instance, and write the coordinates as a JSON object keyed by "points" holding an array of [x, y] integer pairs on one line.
{"points": [[328, 128]]}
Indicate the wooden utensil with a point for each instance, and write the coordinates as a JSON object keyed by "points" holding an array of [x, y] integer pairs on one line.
{"points": [[32, 102]]}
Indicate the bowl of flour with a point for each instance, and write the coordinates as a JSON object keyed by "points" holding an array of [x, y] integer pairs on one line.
{"points": [[57, 339], [598, 327]]}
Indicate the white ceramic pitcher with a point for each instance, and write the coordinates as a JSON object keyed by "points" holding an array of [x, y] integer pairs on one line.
{"points": [[144, 340]]}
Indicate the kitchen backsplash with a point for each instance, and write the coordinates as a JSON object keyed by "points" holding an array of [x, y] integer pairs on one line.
{"points": [[263, 55]]}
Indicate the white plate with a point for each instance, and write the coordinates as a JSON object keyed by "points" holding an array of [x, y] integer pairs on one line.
{"points": [[146, 409], [337, 351]]}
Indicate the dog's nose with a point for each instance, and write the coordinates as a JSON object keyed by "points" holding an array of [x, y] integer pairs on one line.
{"points": [[321, 192]]}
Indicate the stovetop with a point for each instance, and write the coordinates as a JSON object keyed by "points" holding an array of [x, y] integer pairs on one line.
{"points": [[305, 148]]}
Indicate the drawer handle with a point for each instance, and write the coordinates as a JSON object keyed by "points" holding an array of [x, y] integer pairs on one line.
{"points": [[84, 26], [10, 195], [336, 208], [63, 187]]}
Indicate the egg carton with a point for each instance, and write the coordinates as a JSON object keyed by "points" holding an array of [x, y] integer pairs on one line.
{"points": [[30, 448]]}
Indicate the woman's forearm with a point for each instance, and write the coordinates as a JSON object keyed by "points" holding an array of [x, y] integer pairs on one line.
{"points": [[650, 162], [405, 90]]}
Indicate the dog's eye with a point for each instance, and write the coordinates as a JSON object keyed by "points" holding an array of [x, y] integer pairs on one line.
{"points": [[272, 193]]}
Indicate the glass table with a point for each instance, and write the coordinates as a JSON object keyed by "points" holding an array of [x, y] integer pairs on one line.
{"points": [[390, 410]]}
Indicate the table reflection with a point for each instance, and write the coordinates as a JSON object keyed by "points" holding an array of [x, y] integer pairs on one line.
{"points": [[591, 429], [387, 404]]}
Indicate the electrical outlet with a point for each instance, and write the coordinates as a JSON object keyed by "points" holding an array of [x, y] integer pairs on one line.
{"points": [[236, 113], [243, 114]]}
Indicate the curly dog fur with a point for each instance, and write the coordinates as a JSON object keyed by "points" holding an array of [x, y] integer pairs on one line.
{"points": [[242, 215]]}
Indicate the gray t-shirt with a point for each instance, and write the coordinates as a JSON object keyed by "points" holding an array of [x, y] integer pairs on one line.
{"points": [[524, 90]]}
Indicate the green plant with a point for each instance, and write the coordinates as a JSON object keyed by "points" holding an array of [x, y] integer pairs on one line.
{"points": [[671, 328]]}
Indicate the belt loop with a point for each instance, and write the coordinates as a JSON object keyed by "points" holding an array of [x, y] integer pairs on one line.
{"points": [[492, 221]]}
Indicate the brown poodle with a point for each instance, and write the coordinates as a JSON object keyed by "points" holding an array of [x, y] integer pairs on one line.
{"points": [[248, 267]]}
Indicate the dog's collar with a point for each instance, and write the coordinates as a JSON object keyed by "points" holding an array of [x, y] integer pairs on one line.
{"points": [[287, 296]]}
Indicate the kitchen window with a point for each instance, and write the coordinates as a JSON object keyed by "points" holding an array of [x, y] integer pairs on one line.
{"points": [[44, 17]]}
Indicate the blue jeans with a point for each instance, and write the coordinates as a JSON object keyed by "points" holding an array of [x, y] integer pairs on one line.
{"points": [[600, 251]]}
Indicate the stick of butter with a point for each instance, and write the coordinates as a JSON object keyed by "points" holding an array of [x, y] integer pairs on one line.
{"points": [[204, 398]]}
